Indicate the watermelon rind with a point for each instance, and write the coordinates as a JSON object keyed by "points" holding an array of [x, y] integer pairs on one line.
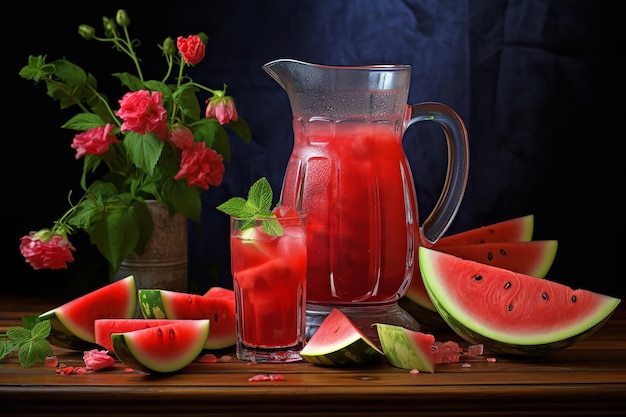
{"points": [[220, 309], [72, 324], [401, 350], [531, 333], [339, 342], [150, 350]]}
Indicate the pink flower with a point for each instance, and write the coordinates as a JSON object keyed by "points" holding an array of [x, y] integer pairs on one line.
{"points": [[201, 166], [97, 359], [182, 137], [46, 250], [94, 141], [222, 108], [191, 48], [143, 113]]}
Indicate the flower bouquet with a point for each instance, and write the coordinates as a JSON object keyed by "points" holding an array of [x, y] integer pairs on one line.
{"points": [[155, 142]]}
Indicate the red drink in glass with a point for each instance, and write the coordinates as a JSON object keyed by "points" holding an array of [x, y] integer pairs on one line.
{"points": [[269, 275]]}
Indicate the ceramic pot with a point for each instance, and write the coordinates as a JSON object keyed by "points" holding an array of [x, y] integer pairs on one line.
{"points": [[163, 264]]}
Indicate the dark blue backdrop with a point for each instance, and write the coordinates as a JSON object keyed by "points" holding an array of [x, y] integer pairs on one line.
{"points": [[533, 81]]}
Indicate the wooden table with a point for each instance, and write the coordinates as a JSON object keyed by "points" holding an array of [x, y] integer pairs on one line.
{"points": [[588, 379]]}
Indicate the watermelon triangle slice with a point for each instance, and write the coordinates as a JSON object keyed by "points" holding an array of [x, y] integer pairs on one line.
{"points": [[339, 342], [509, 312], [73, 322]]}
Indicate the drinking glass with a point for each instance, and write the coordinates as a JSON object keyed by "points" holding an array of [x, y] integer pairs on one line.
{"points": [[269, 277]]}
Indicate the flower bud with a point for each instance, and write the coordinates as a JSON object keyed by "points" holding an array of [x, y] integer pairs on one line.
{"points": [[86, 31], [122, 18], [110, 28], [169, 47]]}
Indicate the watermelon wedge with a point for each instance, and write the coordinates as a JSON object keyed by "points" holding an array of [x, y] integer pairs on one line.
{"points": [[518, 229], [509, 312], [104, 328], [162, 349], [407, 349], [73, 322], [339, 342], [528, 257], [219, 307]]}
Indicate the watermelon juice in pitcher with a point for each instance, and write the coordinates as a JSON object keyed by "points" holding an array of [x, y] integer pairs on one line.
{"points": [[348, 172]]}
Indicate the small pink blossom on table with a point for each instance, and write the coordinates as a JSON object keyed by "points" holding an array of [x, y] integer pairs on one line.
{"points": [[97, 359]]}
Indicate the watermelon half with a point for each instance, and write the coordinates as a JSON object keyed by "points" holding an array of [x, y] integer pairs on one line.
{"points": [[339, 342], [217, 306], [162, 349], [73, 322], [407, 349], [528, 257], [509, 312]]}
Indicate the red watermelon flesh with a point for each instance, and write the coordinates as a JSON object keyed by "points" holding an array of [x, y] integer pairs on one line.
{"points": [[104, 328], [73, 322], [510, 312], [162, 349], [517, 229], [531, 258]]}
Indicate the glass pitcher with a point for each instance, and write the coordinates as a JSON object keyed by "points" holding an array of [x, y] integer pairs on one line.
{"points": [[349, 173]]}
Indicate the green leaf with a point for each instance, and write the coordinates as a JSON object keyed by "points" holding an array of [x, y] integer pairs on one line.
{"points": [[241, 128], [19, 335], [129, 80], [6, 347], [144, 150], [83, 121], [186, 100], [260, 197]]}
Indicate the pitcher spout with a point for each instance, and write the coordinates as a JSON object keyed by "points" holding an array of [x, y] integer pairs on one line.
{"points": [[286, 71]]}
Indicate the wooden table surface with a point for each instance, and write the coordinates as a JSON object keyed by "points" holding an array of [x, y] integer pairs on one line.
{"points": [[587, 379]]}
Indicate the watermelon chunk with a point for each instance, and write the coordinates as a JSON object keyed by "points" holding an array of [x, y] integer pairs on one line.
{"points": [[217, 306], [162, 349], [339, 342], [509, 312], [407, 349], [73, 322]]}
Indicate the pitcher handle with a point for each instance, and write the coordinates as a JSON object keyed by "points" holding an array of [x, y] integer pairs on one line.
{"points": [[450, 198]]}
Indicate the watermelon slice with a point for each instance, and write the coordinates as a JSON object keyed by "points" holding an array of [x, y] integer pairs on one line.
{"points": [[162, 349], [104, 328], [407, 349], [509, 312], [339, 342], [73, 322], [528, 257], [219, 307], [519, 229]]}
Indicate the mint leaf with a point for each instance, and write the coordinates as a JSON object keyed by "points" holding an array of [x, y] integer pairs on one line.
{"points": [[258, 205], [31, 344]]}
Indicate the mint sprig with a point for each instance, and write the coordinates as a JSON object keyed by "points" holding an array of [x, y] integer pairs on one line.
{"points": [[258, 205], [29, 342]]}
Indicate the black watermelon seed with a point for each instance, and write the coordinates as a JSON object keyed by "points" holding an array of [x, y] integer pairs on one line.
{"points": [[502, 252], [510, 307], [573, 298], [478, 277], [507, 285], [490, 256], [544, 296]]}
